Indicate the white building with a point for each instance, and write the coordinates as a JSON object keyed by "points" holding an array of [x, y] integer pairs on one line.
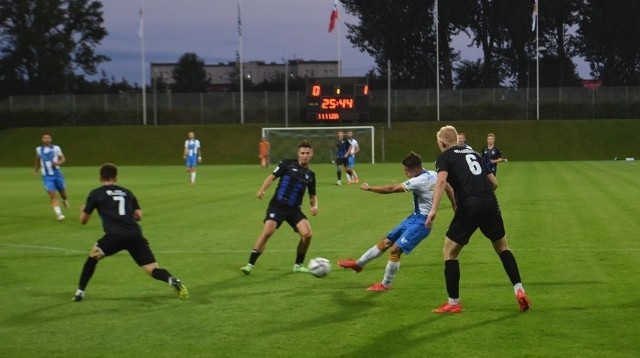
{"points": [[221, 75]]}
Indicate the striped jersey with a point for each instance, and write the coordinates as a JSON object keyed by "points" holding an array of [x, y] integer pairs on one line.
{"points": [[192, 146], [294, 181], [48, 155]]}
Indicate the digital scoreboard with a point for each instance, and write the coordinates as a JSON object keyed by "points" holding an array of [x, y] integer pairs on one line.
{"points": [[337, 99]]}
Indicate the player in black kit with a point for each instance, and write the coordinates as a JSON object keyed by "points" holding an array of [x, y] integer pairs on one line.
{"points": [[120, 212], [476, 207], [295, 178]]}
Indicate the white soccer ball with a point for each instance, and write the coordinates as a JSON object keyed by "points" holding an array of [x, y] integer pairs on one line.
{"points": [[319, 267]]}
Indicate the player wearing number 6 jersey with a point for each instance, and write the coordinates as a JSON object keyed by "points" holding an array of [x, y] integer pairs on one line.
{"points": [[477, 207], [120, 212]]}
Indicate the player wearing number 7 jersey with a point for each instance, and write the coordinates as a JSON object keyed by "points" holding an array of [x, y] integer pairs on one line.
{"points": [[476, 207], [120, 212]]}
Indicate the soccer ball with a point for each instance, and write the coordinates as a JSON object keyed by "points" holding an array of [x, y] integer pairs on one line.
{"points": [[319, 267]]}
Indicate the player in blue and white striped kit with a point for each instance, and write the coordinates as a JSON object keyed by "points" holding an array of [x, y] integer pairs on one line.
{"points": [[192, 156], [49, 158]]}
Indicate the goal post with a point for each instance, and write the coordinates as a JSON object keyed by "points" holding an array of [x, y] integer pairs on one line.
{"points": [[284, 142]]}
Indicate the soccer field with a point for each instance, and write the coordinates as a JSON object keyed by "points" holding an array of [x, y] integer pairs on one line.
{"points": [[572, 226]]}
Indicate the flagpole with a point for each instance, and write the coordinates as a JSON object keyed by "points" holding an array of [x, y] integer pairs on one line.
{"points": [[240, 63], [142, 66], [437, 61], [339, 54], [537, 67]]}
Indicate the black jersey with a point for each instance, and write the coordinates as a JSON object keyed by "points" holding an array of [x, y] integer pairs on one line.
{"points": [[491, 154], [294, 181], [466, 173], [115, 206], [342, 147]]}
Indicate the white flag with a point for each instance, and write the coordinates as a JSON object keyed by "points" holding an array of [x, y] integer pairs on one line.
{"points": [[141, 28], [534, 16]]}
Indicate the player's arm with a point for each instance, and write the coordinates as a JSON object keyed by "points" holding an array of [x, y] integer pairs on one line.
{"points": [[265, 185], [199, 154], [451, 195], [84, 216], [186, 150], [61, 160], [384, 189], [441, 184], [313, 200], [137, 214], [36, 165], [493, 181]]}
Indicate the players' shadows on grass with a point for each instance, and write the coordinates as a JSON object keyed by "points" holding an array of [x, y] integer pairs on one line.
{"points": [[59, 306], [349, 310], [405, 344], [236, 286]]}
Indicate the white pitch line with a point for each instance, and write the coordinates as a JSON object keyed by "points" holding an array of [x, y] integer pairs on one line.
{"points": [[51, 248]]}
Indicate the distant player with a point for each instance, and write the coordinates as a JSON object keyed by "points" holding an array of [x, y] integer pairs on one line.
{"points": [[354, 148], [264, 149], [192, 156], [411, 231], [342, 154], [120, 212], [492, 155], [49, 158], [462, 141]]}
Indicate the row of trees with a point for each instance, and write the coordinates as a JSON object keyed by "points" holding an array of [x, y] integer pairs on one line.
{"points": [[48, 46], [605, 33]]}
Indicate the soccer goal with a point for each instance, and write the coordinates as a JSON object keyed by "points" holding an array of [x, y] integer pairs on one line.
{"points": [[284, 142]]}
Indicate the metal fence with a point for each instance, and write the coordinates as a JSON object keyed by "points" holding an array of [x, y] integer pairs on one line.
{"points": [[269, 107]]}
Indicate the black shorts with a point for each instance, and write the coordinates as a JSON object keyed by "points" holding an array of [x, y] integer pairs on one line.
{"points": [[342, 161], [137, 246], [282, 212], [483, 213]]}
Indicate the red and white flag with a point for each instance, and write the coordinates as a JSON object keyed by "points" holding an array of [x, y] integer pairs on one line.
{"points": [[334, 16]]}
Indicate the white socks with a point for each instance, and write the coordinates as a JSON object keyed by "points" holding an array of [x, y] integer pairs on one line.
{"points": [[390, 273], [518, 286], [373, 253]]}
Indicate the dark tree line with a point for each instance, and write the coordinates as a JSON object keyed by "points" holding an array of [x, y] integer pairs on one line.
{"points": [[604, 33], [49, 46]]}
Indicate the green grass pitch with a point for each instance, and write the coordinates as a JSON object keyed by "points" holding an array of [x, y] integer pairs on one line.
{"points": [[573, 227]]}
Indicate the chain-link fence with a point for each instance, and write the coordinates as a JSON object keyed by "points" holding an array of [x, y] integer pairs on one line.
{"points": [[269, 107]]}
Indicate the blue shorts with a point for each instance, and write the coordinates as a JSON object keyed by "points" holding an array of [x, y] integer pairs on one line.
{"points": [[191, 162], [54, 182], [409, 233], [352, 161]]}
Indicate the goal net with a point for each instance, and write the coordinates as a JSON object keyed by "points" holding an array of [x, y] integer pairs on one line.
{"points": [[284, 142]]}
